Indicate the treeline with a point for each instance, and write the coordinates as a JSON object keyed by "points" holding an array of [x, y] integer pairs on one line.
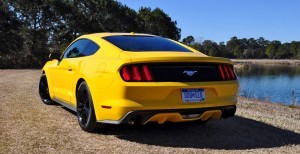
{"points": [[29, 30], [247, 48]]}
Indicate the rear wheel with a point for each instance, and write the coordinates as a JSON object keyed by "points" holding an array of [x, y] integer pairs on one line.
{"points": [[44, 91], [85, 109]]}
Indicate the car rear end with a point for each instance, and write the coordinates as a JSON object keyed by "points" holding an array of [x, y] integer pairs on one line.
{"points": [[170, 86]]}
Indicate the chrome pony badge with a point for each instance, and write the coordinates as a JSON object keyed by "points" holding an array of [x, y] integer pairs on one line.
{"points": [[189, 73]]}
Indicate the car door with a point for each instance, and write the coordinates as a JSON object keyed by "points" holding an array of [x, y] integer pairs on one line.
{"points": [[67, 69]]}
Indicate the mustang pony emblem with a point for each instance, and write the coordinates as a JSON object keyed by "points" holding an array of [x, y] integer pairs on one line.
{"points": [[189, 73]]}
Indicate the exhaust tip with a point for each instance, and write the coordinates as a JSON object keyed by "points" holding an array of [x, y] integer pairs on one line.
{"points": [[228, 112], [135, 120], [130, 122]]}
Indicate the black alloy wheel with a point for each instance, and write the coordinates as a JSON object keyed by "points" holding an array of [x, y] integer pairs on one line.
{"points": [[44, 91], [85, 109]]}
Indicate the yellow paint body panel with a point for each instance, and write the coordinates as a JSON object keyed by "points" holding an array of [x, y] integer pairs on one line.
{"points": [[101, 73]]}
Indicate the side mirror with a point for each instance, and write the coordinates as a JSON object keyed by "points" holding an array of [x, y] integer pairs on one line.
{"points": [[54, 55]]}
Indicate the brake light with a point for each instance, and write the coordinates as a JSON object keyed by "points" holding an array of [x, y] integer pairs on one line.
{"points": [[134, 73], [226, 72], [148, 75], [221, 71], [231, 72], [125, 74]]}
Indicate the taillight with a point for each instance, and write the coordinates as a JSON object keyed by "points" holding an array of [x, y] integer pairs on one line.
{"points": [[134, 73], [148, 75], [125, 74], [226, 72], [221, 71], [231, 72]]}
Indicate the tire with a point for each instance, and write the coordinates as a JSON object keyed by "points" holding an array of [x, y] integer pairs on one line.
{"points": [[85, 109], [44, 91]]}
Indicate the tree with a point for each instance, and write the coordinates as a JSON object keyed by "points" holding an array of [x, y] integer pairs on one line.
{"points": [[294, 49], [272, 48], [10, 27], [262, 44], [231, 46], [189, 40], [210, 48], [158, 23]]}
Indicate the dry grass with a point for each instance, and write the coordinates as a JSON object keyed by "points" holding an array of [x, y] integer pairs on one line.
{"points": [[29, 126], [267, 61]]}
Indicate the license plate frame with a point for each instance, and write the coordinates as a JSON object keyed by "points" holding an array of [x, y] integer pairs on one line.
{"points": [[193, 95]]}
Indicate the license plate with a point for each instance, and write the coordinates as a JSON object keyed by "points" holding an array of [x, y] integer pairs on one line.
{"points": [[193, 95]]}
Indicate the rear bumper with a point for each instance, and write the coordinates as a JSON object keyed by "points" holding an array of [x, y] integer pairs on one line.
{"points": [[174, 115], [121, 99]]}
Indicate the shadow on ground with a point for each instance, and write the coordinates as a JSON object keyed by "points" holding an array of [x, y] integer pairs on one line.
{"points": [[234, 133]]}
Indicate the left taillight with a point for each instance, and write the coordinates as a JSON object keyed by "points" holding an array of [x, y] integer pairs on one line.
{"points": [[136, 73]]}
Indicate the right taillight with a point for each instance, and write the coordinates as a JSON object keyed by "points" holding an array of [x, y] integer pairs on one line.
{"points": [[226, 72], [136, 73]]}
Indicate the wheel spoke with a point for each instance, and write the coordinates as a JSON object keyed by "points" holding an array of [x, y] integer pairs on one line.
{"points": [[81, 98], [85, 97], [83, 117], [86, 111]]}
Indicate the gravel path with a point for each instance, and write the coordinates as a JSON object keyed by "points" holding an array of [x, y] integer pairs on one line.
{"points": [[29, 126]]}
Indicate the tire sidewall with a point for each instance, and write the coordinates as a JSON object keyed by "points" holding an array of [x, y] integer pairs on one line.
{"points": [[45, 101], [91, 117]]}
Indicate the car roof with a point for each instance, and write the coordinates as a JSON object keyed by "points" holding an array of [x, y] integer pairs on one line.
{"points": [[116, 34]]}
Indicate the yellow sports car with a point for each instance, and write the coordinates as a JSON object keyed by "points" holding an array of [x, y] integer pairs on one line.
{"points": [[128, 78]]}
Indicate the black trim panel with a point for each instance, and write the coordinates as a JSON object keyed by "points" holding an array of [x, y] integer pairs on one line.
{"points": [[63, 103]]}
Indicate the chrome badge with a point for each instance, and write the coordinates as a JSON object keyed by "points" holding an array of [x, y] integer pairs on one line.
{"points": [[189, 73]]}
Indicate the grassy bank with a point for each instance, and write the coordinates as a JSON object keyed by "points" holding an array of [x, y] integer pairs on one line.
{"points": [[29, 126], [267, 61]]}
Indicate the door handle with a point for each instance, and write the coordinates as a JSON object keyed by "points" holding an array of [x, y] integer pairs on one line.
{"points": [[69, 68]]}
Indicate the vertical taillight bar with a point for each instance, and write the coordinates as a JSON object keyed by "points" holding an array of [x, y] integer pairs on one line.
{"points": [[147, 73], [231, 72], [227, 73], [125, 74], [221, 71], [136, 73]]}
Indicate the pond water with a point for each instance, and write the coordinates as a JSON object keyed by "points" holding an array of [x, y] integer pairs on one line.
{"points": [[274, 83]]}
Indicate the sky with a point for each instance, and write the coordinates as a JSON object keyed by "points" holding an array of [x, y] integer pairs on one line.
{"points": [[219, 20]]}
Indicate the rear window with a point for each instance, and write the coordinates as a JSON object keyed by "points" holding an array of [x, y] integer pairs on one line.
{"points": [[144, 43]]}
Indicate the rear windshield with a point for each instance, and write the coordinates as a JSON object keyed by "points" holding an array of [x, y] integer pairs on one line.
{"points": [[144, 43]]}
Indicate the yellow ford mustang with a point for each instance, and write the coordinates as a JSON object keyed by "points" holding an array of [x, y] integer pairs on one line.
{"points": [[127, 78]]}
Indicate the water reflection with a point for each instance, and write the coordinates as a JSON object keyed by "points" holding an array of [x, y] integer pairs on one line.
{"points": [[273, 83]]}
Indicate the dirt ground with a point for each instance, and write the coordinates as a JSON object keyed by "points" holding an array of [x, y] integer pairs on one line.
{"points": [[29, 126]]}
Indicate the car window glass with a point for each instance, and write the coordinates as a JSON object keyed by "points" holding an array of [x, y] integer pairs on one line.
{"points": [[145, 43], [75, 49], [89, 49], [80, 48]]}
